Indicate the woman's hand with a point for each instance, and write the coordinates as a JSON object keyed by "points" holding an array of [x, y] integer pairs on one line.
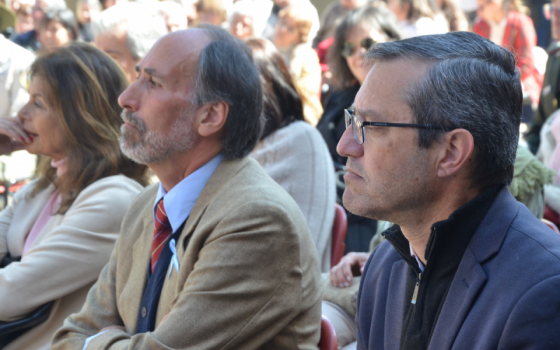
{"points": [[12, 135], [352, 264]]}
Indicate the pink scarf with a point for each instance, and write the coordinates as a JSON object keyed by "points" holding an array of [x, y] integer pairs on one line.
{"points": [[48, 210]]}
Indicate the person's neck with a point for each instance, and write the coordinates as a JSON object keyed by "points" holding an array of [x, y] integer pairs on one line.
{"points": [[416, 226], [499, 15], [178, 166]]}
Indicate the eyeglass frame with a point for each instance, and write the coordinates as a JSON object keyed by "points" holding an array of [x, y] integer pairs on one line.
{"points": [[349, 116]]}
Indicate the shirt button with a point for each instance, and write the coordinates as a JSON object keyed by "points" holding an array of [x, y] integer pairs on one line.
{"points": [[144, 311]]}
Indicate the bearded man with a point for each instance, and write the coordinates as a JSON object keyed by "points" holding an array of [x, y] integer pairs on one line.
{"points": [[217, 255]]}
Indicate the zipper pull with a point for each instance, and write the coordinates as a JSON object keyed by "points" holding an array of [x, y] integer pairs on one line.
{"points": [[415, 294]]}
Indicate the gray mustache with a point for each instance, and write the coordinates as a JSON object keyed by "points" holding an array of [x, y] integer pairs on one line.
{"points": [[129, 117]]}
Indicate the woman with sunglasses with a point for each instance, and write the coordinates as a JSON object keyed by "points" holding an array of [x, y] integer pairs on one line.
{"points": [[359, 30]]}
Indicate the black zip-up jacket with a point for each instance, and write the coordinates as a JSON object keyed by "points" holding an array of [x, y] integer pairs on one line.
{"points": [[426, 291]]}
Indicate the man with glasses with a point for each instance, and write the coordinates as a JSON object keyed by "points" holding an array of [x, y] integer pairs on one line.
{"points": [[431, 147]]}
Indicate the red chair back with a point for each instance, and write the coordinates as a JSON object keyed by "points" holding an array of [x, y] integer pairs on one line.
{"points": [[340, 225], [328, 336], [551, 225]]}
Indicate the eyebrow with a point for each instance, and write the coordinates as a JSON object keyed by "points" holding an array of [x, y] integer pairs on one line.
{"points": [[149, 71], [369, 113]]}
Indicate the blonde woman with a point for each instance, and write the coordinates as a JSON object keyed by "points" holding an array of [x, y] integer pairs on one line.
{"points": [[292, 39]]}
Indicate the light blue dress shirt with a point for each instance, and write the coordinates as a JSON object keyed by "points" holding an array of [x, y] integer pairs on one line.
{"points": [[180, 200]]}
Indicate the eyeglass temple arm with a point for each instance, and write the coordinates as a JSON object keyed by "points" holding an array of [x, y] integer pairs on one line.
{"points": [[401, 125]]}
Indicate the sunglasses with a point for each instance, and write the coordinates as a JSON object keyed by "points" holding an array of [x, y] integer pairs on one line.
{"points": [[349, 48]]}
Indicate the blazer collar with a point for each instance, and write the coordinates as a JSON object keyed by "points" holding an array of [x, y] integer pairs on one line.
{"points": [[221, 176]]}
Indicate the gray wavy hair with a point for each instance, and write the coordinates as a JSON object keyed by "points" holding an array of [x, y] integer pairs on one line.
{"points": [[143, 24]]}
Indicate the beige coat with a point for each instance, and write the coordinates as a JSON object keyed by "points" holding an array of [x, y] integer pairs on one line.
{"points": [[248, 278], [297, 158], [65, 259]]}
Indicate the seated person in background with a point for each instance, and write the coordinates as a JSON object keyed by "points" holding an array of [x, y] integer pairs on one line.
{"points": [[217, 255], [355, 35], [24, 20], [292, 151], [291, 37], [505, 23], [419, 17], [57, 28], [87, 10], [359, 30], [530, 177], [29, 40], [211, 12], [126, 32], [465, 264], [14, 62], [550, 93], [174, 14], [455, 17], [331, 17], [248, 18], [65, 223]]}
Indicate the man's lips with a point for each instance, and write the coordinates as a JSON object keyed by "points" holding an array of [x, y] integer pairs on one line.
{"points": [[130, 126], [350, 174]]}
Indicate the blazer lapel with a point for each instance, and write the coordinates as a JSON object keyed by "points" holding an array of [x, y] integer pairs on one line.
{"points": [[24, 217], [469, 279], [395, 305], [223, 173]]}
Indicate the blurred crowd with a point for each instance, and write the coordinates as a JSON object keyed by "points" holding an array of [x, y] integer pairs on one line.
{"points": [[311, 68]]}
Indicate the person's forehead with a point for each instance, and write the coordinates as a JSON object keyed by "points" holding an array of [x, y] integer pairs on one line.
{"points": [[385, 87], [174, 56]]}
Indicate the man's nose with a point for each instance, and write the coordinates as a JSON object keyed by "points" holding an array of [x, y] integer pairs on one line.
{"points": [[129, 98], [347, 146]]}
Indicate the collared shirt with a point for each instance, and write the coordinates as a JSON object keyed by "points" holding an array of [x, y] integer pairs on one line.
{"points": [[415, 256], [180, 200]]}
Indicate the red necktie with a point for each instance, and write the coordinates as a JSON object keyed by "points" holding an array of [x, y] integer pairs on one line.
{"points": [[162, 231]]}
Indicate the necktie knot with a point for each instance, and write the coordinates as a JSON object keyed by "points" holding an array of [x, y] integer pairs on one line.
{"points": [[162, 221]]}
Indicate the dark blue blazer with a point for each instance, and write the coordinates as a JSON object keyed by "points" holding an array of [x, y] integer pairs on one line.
{"points": [[505, 294]]}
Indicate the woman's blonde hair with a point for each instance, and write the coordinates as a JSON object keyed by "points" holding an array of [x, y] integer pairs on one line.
{"points": [[83, 85], [515, 5], [301, 15]]}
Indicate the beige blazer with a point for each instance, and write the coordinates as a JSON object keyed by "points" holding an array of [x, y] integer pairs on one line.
{"points": [[248, 278], [66, 257]]}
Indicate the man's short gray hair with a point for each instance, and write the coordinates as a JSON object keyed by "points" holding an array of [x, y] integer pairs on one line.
{"points": [[471, 83], [226, 73], [143, 25]]}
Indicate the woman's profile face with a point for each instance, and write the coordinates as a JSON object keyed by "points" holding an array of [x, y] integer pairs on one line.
{"points": [[53, 36], [354, 46], [41, 123]]}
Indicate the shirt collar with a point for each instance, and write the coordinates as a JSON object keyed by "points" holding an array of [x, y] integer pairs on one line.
{"points": [[415, 256], [180, 200]]}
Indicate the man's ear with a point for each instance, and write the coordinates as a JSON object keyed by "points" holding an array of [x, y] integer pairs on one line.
{"points": [[213, 118], [456, 149]]}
